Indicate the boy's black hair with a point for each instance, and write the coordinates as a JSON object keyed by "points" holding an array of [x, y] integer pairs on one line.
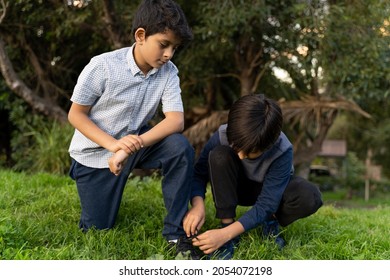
{"points": [[254, 123], [156, 16]]}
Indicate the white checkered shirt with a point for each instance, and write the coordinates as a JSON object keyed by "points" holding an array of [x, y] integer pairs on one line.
{"points": [[123, 100]]}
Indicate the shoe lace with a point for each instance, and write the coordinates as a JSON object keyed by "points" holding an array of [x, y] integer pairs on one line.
{"points": [[185, 247]]}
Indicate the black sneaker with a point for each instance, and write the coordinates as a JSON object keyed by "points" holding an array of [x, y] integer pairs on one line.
{"points": [[185, 250], [271, 230], [225, 252]]}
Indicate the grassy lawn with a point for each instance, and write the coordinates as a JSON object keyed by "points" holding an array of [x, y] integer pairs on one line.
{"points": [[39, 221]]}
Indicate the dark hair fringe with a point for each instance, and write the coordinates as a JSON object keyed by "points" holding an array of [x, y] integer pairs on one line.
{"points": [[254, 123], [156, 16]]}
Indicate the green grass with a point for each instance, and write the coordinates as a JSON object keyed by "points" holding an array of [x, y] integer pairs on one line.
{"points": [[39, 221]]}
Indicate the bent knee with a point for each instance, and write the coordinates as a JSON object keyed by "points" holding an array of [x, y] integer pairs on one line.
{"points": [[311, 198], [179, 144], [306, 194]]}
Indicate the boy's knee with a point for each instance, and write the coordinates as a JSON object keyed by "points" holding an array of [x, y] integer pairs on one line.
{"points": [[301, 199], [221, 154], [310, 197], [179, 144]]}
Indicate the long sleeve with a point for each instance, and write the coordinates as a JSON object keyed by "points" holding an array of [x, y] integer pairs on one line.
{"points": [[274, 184]]}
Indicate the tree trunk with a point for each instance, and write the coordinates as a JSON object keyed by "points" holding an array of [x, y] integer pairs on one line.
{"points": [[115, 33], [306, 152], [199, 133]]}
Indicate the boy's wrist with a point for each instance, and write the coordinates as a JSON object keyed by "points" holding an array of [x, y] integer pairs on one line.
{"points": [[113, 146], [197, 200]]}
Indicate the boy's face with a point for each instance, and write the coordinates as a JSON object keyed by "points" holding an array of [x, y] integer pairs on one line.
{"points": [[251, 155], [155, 50]]}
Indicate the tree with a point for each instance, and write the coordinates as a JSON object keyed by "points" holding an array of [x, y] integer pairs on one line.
{"points": [[359, 67], [312, 105], [52, 43], [287, 35], [238, 47]]}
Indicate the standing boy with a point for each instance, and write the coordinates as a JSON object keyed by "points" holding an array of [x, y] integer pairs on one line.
{"points": [[115, 97], [249, 162]]}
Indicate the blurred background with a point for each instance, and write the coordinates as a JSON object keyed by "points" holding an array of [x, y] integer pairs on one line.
{"points": [[326, 62]]}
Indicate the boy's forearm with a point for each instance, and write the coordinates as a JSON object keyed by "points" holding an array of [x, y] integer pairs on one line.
{"points": [[233, 230], [121, 156], [173, 123], [80, 120]]}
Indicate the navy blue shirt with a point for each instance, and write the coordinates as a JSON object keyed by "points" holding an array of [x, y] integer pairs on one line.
{"points": [[272, 169]]}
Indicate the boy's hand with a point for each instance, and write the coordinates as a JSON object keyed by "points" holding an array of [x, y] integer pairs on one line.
{"points": [[131, 144], [124, 147], [195, 217], [117, 161], [210, 240]]}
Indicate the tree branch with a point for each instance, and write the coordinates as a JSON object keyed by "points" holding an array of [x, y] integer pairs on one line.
{"points": [[4, 6], [50, 90], [19, 88], [259, 76], [113, 29]]}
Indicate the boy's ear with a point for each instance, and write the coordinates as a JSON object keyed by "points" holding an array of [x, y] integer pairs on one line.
{"points": [[140, 35]]}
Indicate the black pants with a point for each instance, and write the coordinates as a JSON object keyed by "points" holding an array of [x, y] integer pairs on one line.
{"points": [[300, 198]]}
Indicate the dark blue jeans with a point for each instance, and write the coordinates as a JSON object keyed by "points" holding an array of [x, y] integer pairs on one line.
{"points": [[100, 191]]}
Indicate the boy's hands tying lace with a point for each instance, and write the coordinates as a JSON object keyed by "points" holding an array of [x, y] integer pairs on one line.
{"points": [[210, 240]]}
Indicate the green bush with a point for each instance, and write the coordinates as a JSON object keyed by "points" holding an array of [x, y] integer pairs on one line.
{"points": [[39, 144]]}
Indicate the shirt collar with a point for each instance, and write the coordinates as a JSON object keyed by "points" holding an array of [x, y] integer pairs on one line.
{"points": [[133, 65]]}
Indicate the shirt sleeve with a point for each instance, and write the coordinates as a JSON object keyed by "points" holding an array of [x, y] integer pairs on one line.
{"points": [[90, 84], [275, 182], [171, 99], [201, 170]]}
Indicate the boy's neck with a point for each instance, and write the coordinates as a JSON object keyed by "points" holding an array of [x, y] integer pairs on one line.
{"points": [[145, 68]]}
